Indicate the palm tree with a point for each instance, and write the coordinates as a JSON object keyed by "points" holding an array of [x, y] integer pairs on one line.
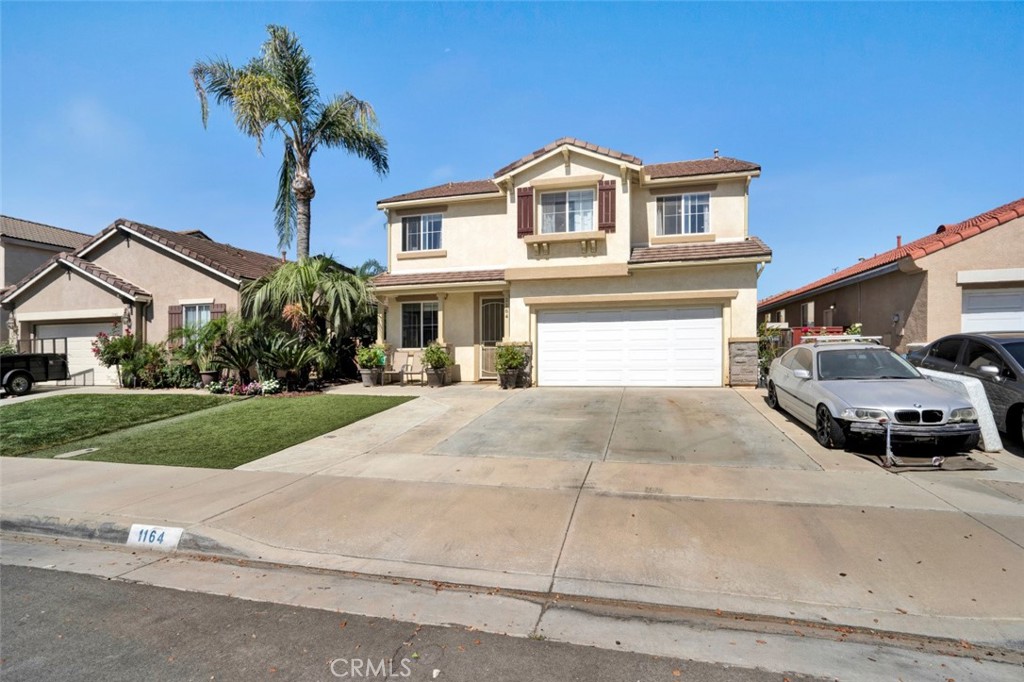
{"points": [[276, 92]]}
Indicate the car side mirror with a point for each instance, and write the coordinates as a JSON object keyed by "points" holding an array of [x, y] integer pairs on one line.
{"points": [[802, 373], [990, 370]]}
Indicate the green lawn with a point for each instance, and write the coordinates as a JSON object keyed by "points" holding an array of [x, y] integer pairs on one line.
{"points": [[232, 435], [49, 422]]}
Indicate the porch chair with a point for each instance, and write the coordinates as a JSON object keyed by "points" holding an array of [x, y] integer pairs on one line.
{"points": [[413, 367]]}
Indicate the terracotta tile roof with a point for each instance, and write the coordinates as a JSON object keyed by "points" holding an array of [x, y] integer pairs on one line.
{"points": [[41, 234], [232, 261], [389, 280], [575, 142], [681, 169], [945, 235], [751, 247], [451, 189], [96, 271]]}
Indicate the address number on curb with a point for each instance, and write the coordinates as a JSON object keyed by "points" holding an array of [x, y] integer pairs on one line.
{"points": [[154, 537]]}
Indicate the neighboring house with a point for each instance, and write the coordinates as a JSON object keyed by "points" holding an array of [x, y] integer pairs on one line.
{"points": [[140, 277], [968, 276], [616, 272], [24, 246]]}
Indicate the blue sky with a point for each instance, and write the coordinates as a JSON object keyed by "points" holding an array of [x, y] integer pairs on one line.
{"points": [[869, 120]]}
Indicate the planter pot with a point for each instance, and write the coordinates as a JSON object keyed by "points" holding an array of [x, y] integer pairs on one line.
{"points": [[436, 377], [367, 376], [509, 378], [208, 377]]}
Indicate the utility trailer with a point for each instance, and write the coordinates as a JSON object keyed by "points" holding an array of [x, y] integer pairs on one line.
{"points": [[18, 371]]}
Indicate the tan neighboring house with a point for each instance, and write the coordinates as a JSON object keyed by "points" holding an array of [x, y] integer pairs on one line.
{"points": [[24, 246], [138, 276], [616, 272], [965, 277]]}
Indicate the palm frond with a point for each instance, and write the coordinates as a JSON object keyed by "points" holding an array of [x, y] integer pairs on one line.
{"points": [[350, 123], [284, 207], [286, 59], [217, 77]]}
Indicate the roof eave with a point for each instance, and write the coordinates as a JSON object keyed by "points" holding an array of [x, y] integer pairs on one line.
{"points": [[439, 286], [839, 284], [682, 179], [434, 201], [726, 260], [501, 177]]}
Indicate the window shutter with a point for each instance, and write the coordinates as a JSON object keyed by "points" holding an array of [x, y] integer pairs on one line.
{"points": [[606, 205], [173, 318], [218, 310], [524, 202]]}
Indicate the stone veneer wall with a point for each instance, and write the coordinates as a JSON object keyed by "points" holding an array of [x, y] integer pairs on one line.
{"points": [[743, 368]]}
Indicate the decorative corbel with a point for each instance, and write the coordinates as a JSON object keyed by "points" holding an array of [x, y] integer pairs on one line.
{"points": [[624, 174], [565, 157]]}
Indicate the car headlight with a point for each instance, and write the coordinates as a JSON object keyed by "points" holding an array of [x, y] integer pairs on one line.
{"points": [[963, 414], [862, 414]]}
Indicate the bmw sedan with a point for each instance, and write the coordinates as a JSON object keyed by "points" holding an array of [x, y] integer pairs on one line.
{"points": [[847, 388]]}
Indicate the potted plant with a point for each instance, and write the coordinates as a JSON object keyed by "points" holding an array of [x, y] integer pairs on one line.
{"points": [[371, 362], [509, 362], [437, 360]]}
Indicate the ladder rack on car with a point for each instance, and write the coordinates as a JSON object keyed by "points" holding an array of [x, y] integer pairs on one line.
{"points": [[841, 338]]}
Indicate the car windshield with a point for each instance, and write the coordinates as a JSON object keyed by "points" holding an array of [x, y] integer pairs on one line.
{"points": [[863, 363], [1016, 349]]}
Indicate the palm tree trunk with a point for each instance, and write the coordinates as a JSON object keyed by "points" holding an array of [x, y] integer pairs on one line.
{"points": [[304, 191]]}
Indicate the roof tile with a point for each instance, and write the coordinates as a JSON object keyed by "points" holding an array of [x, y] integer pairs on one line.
{"points": [[41, 234], [573, 141], [389, 280], [679, 169], [751, 247], [451, 189]]}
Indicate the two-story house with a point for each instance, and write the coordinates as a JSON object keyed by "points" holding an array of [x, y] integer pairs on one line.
{"points": [[616, 272]]}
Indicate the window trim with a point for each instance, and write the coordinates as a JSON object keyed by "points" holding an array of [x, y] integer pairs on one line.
{"points": [[659, 201], [421, 218], [196, 304], [420, 305], [566, 192]]}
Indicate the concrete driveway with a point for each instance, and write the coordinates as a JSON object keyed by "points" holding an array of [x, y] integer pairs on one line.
{"points": [[691, 426]]}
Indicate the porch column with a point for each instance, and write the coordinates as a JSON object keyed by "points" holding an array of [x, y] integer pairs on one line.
{"points": [[440, 317], [382, 306]]}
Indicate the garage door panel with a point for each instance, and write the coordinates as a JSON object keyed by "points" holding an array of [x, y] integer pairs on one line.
{"points": [[80, 357], [630, 347], [992, 310]]}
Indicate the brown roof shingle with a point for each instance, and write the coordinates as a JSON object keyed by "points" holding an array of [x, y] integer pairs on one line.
{"points": [[389, 280], [94, 270], [451, 189], [751, 247], [575, 142], [945, 235], [41, 234], [681, 169]]}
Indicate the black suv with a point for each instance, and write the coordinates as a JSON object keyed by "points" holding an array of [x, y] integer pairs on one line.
{"points": [[997, 358]]}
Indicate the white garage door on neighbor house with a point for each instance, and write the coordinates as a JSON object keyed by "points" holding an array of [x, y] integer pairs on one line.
{"points": [[992, 310], [630, 347], [80, 357]]}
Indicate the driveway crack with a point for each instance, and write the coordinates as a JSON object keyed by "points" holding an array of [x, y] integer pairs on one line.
{"points": [[568, 526], [611, 433]]}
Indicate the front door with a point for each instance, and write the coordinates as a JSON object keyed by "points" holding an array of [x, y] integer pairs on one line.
{"points": [[492, 330]]}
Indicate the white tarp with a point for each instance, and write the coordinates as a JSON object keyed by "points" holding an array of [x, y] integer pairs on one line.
{"points": [[971, 388]]}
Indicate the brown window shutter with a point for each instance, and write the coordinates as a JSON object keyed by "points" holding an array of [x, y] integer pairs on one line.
{"points": [[606, 205], [524, 203], [173, 318], [218, 310]]}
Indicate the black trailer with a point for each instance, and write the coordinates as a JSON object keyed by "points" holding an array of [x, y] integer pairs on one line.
{"points": [[20, 370]]}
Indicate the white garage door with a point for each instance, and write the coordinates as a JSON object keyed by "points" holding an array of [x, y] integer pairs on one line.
{"points": [[630, 347], [992, 310], [80, 357]]}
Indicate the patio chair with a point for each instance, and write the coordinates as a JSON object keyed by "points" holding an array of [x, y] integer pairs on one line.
{"points": [[413, 367]]}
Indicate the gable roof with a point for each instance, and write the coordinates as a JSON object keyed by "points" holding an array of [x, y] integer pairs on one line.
{"points": [[751, 247], [571, 141], [451, 189], [226, 259], [681, 169], [87, 268], [39, 233], [945, 235], [388, 280]]}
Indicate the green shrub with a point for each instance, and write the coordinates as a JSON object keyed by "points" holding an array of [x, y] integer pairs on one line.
{"points": [[7, 349], [436, 356], [510, 357]]}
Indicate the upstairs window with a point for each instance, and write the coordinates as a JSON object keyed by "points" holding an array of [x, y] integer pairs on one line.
{"points": [[684, 214], [419, 324], [421, 232], [567, 211]]}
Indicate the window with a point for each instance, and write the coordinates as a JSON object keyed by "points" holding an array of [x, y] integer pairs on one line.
{"points": [[421, 232], [979, 355], [567, 211], [684, 214], [195, 315], [946, 350], [807, 314], [419, 324]]}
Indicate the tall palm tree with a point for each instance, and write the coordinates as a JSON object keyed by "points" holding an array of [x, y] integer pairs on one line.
{"points": [[276, 92]]}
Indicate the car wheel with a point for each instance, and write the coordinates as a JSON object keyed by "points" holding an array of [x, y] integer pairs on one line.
{"points": [[19, 384], [773, 399], [827, 430]]}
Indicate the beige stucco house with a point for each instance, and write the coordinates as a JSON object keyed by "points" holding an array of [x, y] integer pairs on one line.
{"points": [[137, 276], [616, 272], [967, 276], [24, 246]]}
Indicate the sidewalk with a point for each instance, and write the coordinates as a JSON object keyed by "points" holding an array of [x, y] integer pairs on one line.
{"points": [[936, 554]]}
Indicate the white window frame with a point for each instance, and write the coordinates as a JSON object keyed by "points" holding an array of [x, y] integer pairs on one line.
{"points": [[584, 217], [424, 306], [197, 307], [688, 205], [425, 235]]}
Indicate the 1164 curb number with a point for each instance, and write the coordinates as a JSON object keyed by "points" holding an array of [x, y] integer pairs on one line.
{"points": [[154, 537]]}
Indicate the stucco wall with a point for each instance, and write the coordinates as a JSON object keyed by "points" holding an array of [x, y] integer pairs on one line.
{"points": [[1000, 248], [726, 214], [62, 290], [17, 261]]}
